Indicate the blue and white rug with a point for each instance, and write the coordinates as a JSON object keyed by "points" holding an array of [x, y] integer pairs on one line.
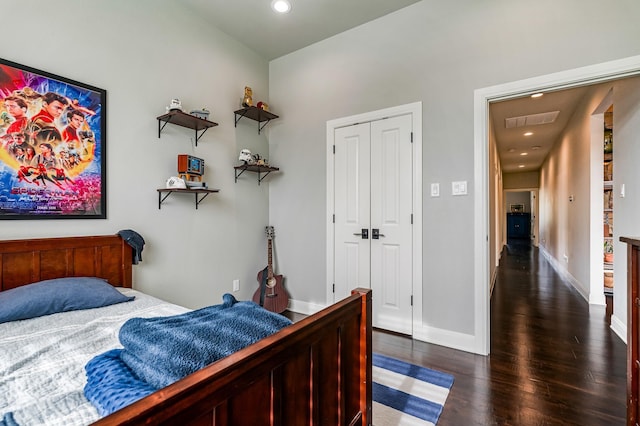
{"points": [[407, 394]]}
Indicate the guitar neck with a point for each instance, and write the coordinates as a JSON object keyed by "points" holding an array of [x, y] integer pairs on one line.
{"points": [[270, 260]]}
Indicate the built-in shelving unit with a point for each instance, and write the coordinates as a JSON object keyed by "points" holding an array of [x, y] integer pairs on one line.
{"points": [[200, 194], [262, 171], [179, 118], [255, 113], [607, 216]]}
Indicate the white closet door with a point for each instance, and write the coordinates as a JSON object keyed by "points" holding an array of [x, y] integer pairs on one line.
{"points": [[352, 208], [391, 207], [373, 230]]}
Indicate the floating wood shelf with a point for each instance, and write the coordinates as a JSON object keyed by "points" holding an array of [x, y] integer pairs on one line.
{"points": [[179, 118], [200, 194], [255, 113], [256, 169]]}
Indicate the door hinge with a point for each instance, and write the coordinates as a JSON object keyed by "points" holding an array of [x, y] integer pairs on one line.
{"points": [[412, 218], [411, 137], [334, 149], [334, 218], [334, 287], [412, 300]]}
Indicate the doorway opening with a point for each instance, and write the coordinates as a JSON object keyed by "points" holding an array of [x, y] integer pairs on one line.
{"points": [[604, 72]]}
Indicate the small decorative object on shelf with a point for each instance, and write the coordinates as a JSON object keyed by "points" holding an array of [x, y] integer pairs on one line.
{"points": [[246, 157], [263, 106], [608, 251], [175, 182], [175, 105], [190, 168], [200, 113], [247, 99]]}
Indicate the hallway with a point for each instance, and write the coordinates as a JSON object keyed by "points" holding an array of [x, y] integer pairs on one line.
{"points": [[554, 360]]}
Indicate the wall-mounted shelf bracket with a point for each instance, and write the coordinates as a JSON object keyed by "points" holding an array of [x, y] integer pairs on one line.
{"points": [[179, 118], [200, 194], [262, 171], [255, 113]]}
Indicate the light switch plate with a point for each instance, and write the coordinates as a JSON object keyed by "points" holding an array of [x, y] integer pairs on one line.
{"points": [[435, 189], [459, 188]]}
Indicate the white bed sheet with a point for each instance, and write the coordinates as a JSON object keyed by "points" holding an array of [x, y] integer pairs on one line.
{"points": [[42, 360]]}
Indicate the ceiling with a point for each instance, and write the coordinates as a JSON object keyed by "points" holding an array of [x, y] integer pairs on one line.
{"points": [[272, 35], [520, 153]]}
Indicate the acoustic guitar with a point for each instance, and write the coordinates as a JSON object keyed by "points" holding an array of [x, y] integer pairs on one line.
{"points": [[271, 293]]}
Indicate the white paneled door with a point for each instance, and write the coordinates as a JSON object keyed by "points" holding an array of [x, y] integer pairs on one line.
{"points": [[373, 217]]}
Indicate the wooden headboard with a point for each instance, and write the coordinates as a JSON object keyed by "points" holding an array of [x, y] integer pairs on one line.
{"points": [[27, 261]]}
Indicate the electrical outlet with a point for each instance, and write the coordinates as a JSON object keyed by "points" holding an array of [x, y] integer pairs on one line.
{"points": [[236, 285]]}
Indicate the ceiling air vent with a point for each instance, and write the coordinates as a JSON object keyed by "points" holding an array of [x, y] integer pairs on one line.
{"points": [[531, 120]]}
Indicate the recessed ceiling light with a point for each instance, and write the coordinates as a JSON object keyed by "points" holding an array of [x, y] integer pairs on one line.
{"points": [[281, 6], [521, 165], [512, 150], [536, 147], [524, 153], [537, 95], [528, 133]]}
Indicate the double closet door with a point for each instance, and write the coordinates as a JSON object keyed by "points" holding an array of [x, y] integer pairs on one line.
{"points": [[373, 217]]}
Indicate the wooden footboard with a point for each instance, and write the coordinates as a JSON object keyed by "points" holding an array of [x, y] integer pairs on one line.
{"points": [[315, 372]]}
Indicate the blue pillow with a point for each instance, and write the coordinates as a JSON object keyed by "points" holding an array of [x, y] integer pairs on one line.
{"points": [[58, 295]]}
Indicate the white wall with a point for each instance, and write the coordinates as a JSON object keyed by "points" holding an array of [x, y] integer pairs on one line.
{"points": [[144, 53], [437, 53]]}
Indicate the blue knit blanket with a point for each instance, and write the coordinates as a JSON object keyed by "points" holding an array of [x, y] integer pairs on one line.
{"points": [[159, 351]]}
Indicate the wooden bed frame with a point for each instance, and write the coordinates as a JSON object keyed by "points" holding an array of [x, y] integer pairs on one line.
{"points": [[315, 372]]}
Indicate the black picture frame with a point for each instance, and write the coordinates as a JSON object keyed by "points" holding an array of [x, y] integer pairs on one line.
{"points": [[52, 146]]}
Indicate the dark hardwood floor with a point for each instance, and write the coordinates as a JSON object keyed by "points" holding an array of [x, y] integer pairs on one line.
{"points": [[554, 360]]}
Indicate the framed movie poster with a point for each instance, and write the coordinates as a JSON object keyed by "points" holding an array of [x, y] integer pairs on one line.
{"points": [[52, 146]]}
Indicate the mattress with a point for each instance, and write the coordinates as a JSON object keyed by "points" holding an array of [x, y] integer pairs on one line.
{"points": [[42, 359]]}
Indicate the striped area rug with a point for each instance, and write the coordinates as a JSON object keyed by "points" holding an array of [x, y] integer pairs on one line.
{"points": [[407, 394]]}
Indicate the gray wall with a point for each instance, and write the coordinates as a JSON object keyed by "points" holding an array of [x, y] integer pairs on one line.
{"points": [[519, 197], [437, 53], [144, 53], [626, 122]]}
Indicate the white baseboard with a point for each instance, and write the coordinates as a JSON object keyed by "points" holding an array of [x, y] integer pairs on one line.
{"points": [[619, 327], [564, 274], [304, 308], [437, 336], [450, 339]]}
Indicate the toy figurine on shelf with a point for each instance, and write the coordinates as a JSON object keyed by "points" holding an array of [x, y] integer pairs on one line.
{"points": [[246, 157], [175, 105], [247, 100], [263, 106]]}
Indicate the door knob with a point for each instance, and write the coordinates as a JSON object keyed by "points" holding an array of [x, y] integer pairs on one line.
{"points": [[375, 234], [364, 234]]}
